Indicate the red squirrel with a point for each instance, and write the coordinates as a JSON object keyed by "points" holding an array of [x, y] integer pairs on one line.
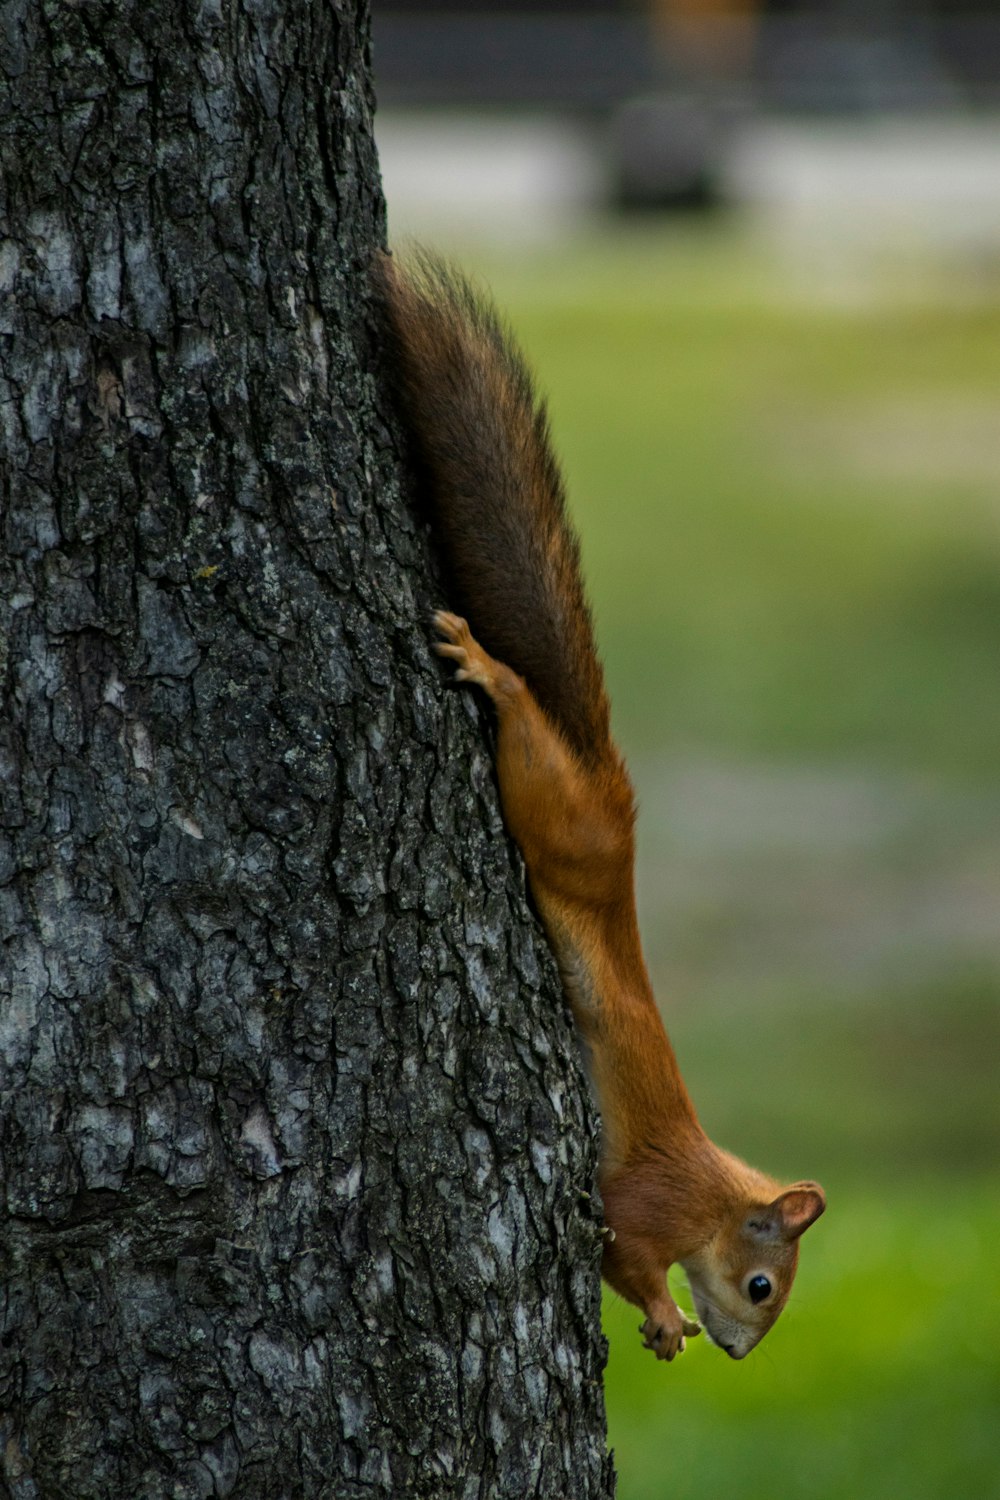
{"points": [[670, 1195]]}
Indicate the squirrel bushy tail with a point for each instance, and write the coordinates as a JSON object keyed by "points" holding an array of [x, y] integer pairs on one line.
{"points": [[481, 437]]}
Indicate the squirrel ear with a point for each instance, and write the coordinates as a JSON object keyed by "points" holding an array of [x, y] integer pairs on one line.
{"points": [[797, 1208], [789, 1215]]}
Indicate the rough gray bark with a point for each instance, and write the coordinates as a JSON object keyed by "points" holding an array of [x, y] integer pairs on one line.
{"points": [[294, 1134]]}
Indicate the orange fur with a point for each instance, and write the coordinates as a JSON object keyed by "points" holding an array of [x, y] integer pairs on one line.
{"points": [[670, 1195]]}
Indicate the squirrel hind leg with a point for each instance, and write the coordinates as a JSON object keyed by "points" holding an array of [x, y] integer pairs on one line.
{"points": [[472, 663], [553, 805]]}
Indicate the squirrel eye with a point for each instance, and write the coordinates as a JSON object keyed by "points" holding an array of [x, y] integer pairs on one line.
{"points": [[758, 1287]]}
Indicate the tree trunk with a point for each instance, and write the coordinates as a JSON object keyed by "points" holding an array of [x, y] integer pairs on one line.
{"points": [[294, 1133]]}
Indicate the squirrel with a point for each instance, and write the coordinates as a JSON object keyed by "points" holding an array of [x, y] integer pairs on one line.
{"points": [[481, 439]]}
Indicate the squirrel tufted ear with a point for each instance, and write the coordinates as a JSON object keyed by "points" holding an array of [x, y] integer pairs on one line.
{"points": [[797, 1208], [789, 1215]]}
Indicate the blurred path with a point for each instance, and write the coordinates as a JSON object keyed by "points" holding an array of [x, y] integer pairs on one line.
{"points": [[491, 176], [935, 178], [814, 879]]}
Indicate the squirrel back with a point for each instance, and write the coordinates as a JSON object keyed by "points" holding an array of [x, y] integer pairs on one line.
{"points": [[495, 491]]}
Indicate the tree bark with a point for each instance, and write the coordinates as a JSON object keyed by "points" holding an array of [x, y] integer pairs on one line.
{"points": [[294, 1133]]}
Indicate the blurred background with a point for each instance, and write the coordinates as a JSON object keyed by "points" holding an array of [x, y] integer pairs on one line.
{"points": [[753, 252]]}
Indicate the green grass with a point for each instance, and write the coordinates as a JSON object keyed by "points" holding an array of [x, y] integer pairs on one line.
{"points": [[882, 1377], [781, 556], [789, 517], [880, 1380]]}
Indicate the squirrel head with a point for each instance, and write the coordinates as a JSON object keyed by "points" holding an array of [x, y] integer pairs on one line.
{"points": [[741, 1279]]}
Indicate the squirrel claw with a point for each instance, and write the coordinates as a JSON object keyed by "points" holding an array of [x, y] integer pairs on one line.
{"points": [[451, 626], [457, 638]]}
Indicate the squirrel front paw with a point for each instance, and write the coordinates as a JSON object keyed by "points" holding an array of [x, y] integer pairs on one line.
{"points": [[665, 1329]]}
